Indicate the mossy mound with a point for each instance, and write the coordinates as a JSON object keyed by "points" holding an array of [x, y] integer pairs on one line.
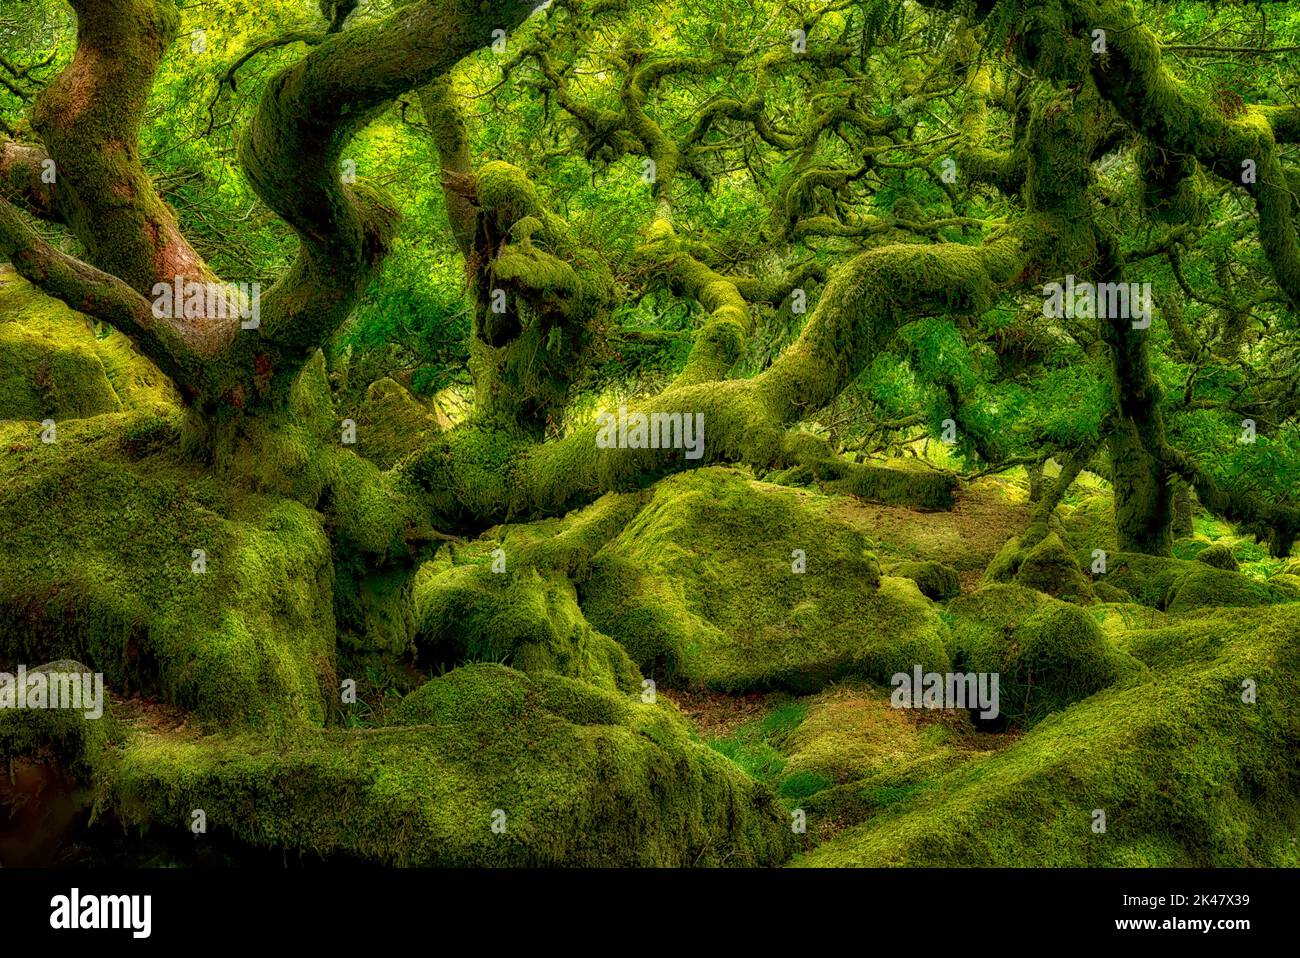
{"points": [[935, 580], [1190, 547], [1184, 770], [1105, 592], [1088, 525], [1221, 587], [739, 585], [1286, 582], [97, 564], [524, 619], [568, 775], [48, 755], [852, 733], [53, 364], [1050, 568], [1178, 585], [72, 737], [392, 423], [1218, 556], [1043, 564], [1048, 654], [916, 488]]}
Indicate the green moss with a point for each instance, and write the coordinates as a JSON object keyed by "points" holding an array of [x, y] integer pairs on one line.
{"points": [[852, 733], [1186, 773], [392, 423], [583, 777], [1049, 568], [1220, 587], [1105, 592], [701, 587], [1048, 654], [70, 737], [53, 365], [96, 558], [1219, 555], [916, 488], [1190, 547], [935, 580], [1177, 585], [518, 617], [1089, 524], [1148, 579]]}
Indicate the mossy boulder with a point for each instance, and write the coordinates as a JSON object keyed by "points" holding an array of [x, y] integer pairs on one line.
{"points": [[75, 738], [1286, 583], [1048, 654], [1187, 772], [1050, 568], [392, 423], [1220, 587], [522, 618], [169, 581], [852, 733], [1041, 562], [738, 585], [488, 766], [1148, 579], [935, 580], [54, 365], [1179, 585], [916, 487], [1219, 556], [1088, 525], [1105, 592]]}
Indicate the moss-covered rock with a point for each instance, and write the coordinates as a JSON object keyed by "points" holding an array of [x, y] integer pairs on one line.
{"points": [[54, 365], [49, 756], [1178, 585], [75, 738], [917, 488], [1105, 592], [521, 618], [1050, 568], [163, 577], [1286, 583], [739, 585], [568, 775], [1089, 524], [935, 580], [1219, 587], [392, 423], [1219, 556], [1148, 579], [1186, 771], [1048, 654]]}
